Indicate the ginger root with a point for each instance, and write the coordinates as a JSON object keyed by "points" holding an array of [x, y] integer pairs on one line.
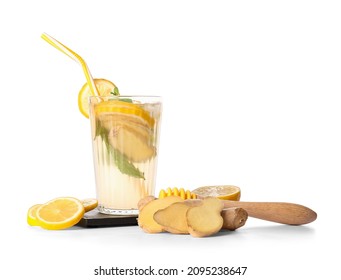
{"points": [[195, 216], [144, 201], [234, 217], [146, 215], [173, 218], [205, 219]]}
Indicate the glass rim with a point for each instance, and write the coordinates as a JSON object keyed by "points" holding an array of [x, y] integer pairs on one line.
{"points": [[125, 96]]}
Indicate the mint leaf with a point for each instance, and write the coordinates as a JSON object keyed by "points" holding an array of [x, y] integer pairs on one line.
{"points": [[125, 166], [101, 131], [115, 92], [129, 100]]}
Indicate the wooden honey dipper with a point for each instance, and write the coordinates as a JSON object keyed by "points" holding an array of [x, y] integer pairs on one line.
{"points": [[279, 212]]}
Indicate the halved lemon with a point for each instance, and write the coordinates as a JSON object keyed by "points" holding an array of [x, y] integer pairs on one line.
{"points": [[60, 213], [89, 204], [225, 192], [32, 215], [104, 88]]}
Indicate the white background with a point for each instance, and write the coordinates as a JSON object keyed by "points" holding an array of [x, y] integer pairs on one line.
{"points": [[251, 98]]}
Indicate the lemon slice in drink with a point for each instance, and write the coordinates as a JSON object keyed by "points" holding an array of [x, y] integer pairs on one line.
{"points": [[60, 213], [104, 88], [226, 192], [32, 215], [125, 111]]}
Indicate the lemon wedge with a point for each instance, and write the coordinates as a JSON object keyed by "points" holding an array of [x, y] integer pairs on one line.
{"points": [[226, 192], [104, 88], [60, 213]]}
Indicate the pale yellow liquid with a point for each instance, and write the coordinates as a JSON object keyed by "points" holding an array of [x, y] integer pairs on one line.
{"points": [[119, 193]]}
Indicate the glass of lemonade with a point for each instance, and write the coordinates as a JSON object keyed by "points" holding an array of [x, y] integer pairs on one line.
{"points": [[125, 136]]}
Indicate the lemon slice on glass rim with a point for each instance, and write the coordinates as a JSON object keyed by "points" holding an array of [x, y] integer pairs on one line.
{"points": [[104, 88]]}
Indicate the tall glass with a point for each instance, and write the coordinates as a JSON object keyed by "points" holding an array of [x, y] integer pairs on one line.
{"points": [[125, 136]]}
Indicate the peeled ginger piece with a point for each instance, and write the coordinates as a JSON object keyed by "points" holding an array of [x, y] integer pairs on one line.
{"points": [[146, 216], [173, 218], [206, 219]]}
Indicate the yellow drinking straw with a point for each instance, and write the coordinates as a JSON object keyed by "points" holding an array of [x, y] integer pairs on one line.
{"points": [[70, 53]]}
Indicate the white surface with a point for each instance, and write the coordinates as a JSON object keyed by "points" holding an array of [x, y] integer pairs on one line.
{"points": [[251, 97]]}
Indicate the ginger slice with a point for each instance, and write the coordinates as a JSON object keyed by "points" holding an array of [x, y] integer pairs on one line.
{"points": [[146, 216], [206, 219], [234, 217], [173, 218], [131, 144]]}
